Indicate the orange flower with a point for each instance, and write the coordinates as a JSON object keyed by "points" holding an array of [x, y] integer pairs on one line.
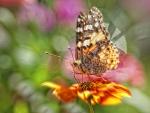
{"points": [[96, 92]]}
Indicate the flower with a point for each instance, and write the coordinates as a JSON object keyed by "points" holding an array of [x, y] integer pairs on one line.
{"points": [[68, 10], [14, 3], [97, 92], [129, 69], [37, 13]]}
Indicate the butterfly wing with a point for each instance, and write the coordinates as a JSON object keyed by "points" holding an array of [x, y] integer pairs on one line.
{"points": [[90, 29], [94, 50], [79, 35]]}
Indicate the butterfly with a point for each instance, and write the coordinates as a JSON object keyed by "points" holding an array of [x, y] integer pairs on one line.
{"points": [[95, 53], [95, 92]]}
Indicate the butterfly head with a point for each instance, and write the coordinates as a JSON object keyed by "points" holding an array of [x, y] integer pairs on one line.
{"points": [[76, 64]]}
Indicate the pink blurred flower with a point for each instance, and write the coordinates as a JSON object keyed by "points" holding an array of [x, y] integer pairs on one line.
{"points": [[15, 3], [68, 10], [37, 13], [129, 70]]}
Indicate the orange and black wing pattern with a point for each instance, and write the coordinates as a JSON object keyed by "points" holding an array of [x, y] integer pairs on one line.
{"points": [[95, 53], [88, 27]]}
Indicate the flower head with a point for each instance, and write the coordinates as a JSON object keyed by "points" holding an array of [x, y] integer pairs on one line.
{"points": [[96, 92]]}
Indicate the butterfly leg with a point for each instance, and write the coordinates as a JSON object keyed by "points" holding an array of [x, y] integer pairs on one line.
{"points": [[89, 77], [74, 74]]}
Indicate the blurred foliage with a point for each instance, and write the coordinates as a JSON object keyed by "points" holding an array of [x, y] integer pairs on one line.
{"points": [[24, 64]]}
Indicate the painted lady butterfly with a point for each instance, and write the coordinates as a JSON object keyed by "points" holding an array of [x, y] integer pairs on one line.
{"points": [[95, 53]]}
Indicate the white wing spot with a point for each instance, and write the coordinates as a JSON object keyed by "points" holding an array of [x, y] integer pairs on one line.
{"points": [[88, 27], [79, 44], [96, 24], [79, 29], [86, 42], [89, 17]]}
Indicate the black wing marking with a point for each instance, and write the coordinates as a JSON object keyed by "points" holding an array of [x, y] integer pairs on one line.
{"points": [[79, 35]]}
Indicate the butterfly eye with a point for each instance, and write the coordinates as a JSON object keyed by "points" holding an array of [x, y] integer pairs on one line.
{"points": [[77, 62]]}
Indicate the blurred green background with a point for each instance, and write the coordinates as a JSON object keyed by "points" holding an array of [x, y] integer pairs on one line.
{"points": [[30, 28]]}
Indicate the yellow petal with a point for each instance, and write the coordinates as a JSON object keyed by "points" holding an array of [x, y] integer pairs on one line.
{"points": [[84, 95], [120, 93], [111, 101], [114, 93], [51, 85]]}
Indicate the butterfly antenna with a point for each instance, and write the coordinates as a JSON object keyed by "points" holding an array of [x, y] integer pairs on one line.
{"points": [[52, 54], [60, 58]]}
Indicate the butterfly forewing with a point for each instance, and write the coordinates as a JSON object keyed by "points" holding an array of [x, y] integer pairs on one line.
{"points": [[90, 29], [95, 53]]}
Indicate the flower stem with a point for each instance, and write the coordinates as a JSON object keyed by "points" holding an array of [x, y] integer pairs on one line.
{"points": [[91, 108]]}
